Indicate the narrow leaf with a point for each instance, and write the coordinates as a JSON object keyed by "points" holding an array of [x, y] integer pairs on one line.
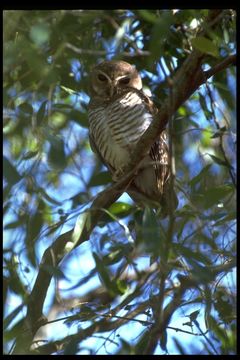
{"points": [[10, 173], [220, 161]]}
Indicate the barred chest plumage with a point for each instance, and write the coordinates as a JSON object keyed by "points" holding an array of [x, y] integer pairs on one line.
{"points": [[116, 126]]}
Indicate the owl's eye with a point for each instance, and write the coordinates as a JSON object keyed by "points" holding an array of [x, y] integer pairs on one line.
{"points": [[102, 77], [124, 81]]}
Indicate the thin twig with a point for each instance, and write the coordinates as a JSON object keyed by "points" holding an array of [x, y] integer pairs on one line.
{"points": [[105, 53]]}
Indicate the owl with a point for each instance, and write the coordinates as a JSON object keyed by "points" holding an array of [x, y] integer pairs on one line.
{"points": [[119, 113]]}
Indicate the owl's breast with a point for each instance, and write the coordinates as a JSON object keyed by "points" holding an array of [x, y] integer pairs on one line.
{"points": [[117, 126]]}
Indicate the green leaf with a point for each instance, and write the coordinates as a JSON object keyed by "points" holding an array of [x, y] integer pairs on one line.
{"points": [[205, 45], [122, 285], [13, 225], [71, 347], [160, 36], [68, 90], [41, 113], [207, 112], [215, 194], [150, 230], [219, 133], [189, 254], [26, 108], [179, 345], [40, 33], [199, 272], [110, 285], [10, 173], [148, 16], [217, 330], [79, 117], [56, 155], [59, 106], [101, 178], [79, 227], [47, 197], [30, 154], [142, 343], [163, 340], [7, 321], [117, 253], [120, 209], [229, 217], [219, 161], [193, 316], [201, 175]]}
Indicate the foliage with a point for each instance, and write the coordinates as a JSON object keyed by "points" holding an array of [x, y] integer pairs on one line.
{"points": [[110, 294]]}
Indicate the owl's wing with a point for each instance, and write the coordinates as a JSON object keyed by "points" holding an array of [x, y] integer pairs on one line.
{"points": [[159, 154], [95, 149], [159, 151]]}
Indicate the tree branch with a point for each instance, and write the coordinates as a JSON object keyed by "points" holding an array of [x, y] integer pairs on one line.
{"points": [[80, 51], [230, 60]]}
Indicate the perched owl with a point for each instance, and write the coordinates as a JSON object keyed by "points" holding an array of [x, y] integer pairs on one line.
{"points": [[119, 113]]}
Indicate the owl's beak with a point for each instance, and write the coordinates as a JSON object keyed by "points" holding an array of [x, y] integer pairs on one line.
{"points": [[112, 86]]}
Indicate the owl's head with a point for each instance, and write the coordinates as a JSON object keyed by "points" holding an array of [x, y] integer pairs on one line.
{"points": [[111, 77]]}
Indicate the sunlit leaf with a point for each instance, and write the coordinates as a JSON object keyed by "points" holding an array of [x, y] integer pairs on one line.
{"points": [[79, 226], [69, 91], [120, 209], [40, 33]]}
